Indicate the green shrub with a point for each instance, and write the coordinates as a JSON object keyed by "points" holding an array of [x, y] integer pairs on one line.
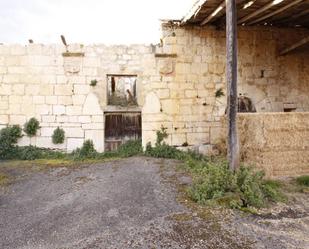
{"points": [[58, 136], [29, 153], [161, 135], [31, 127], [214, 181], [8, 138], [303, 180], [85, 152], [130, 148]]}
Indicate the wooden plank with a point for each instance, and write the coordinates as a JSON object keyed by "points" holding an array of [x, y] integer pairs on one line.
{"points": [[213, 14], [295, 46], [231, 78], [257, 12], [164, 55], [273, 13], [73, 54]]}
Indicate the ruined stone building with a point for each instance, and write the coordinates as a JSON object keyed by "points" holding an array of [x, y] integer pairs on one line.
{"points": [[114, 93]]}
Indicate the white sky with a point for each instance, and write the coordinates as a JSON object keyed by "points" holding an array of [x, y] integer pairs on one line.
{"points": [[87, 21]]}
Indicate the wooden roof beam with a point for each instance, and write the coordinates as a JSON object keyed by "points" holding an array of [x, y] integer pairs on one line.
{"points": [[259, 11], [193, 11], [213, 14], [290, 5], [295, 46], [293, 17]]}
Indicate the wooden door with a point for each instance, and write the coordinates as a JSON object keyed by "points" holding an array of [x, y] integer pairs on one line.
{"points": [[121, 127]]}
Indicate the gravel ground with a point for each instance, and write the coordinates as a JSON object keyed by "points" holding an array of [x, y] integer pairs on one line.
{"points": [[131, 203]]}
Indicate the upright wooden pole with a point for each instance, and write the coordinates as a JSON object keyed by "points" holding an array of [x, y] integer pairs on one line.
{"points": [[231, 78]]}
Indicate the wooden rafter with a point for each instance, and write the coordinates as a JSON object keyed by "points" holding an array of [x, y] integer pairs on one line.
{"points": [[194, 11], [293, 17], [257, 12], [214, 13], [295, 46], [290, 5]]}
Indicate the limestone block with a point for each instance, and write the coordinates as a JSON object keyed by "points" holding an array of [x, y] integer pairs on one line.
{"points": [[97, 119], [191, 93], [207, 150], [18, 119], [78, 99], [84, 119], [74, 143], [148, 137], [91, 105], [198, 138], [93, 126], [65, 100], [74, 110], [18, 89], [38, 100], [91, 61], [170, 106], [60, 79], [46, 89], [12, 61], [47, 131], [62, 119], [73, 119], [4, 105], [48, 118], [51, 100], [13, 99], [58, 109], [152, 103], [32, 89], [165, 66], [34, 49], [46, 142], [43, 109], [28, 109], [3, 70], [5, 89], [24, 141], [74, 132], [97, 136], [178, 139], [163, 93], [81, 89], [14, 108], [4, 119], [63, 90]]}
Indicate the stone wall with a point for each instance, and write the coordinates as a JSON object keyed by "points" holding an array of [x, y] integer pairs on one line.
{"points": [[275, 142], [40, 81], [177, 81]]}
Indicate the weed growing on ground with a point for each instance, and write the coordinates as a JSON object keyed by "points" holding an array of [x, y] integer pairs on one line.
{"points": [[303, 180], [246, 187]]}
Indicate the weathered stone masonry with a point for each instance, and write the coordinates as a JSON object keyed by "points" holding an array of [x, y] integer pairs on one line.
{"points": [[176, 84]]}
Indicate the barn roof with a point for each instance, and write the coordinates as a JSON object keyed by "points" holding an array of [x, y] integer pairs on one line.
{"points": [[279, 13]]}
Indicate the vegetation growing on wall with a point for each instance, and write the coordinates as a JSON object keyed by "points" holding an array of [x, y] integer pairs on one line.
{"points": [[31, 127], [58, 136]]}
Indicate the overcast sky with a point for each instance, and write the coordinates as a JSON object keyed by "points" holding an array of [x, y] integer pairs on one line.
{"points": [[87, 21]]}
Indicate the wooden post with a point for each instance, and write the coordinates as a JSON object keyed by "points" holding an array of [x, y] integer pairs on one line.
{"points": [[231, 78]]}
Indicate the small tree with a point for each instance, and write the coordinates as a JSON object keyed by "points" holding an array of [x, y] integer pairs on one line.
{"points": [[58, 136], [31, 127]]}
